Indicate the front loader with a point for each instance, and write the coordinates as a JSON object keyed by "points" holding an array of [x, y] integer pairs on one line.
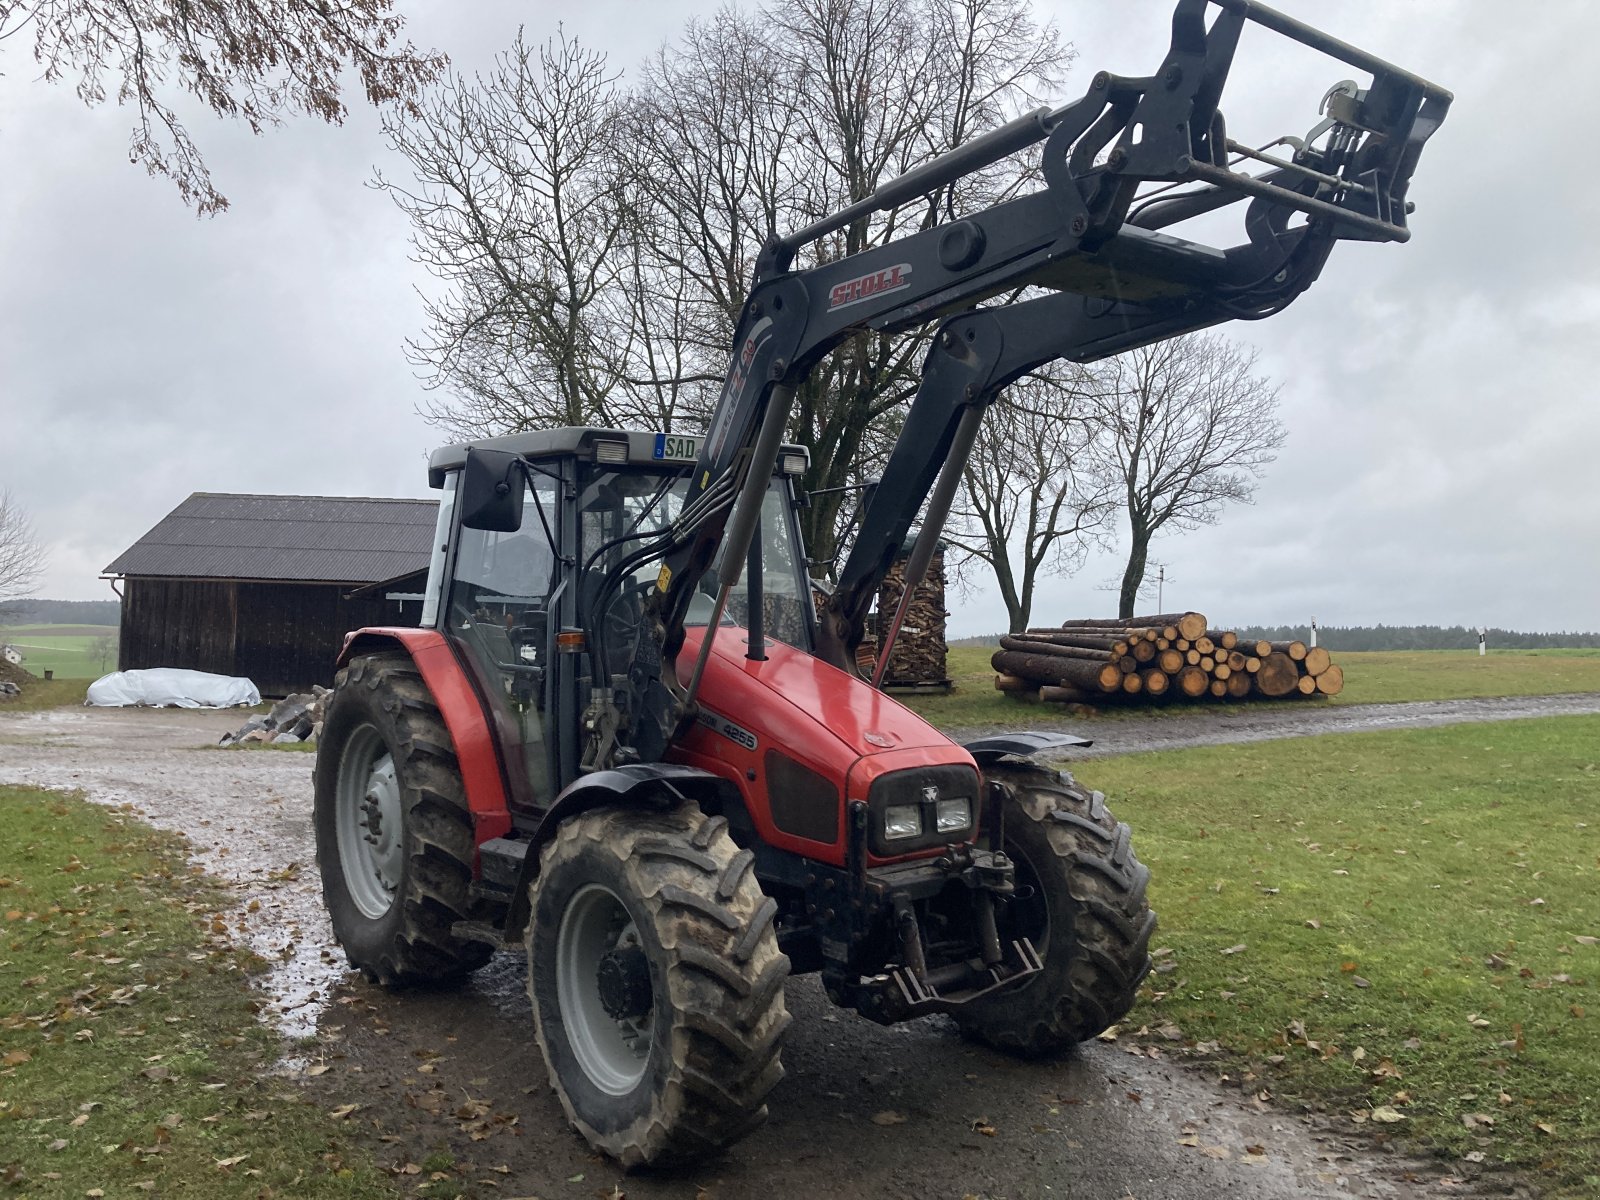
{"points": [[631, 735]]}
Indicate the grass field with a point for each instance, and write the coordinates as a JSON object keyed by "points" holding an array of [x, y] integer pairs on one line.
{"points": [[52, 693], [131, 1061], [67, 650], [1403, 928], [1368, 678]]}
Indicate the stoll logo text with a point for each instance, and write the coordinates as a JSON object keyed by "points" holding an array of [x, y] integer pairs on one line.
{"points": [[865, 287]]}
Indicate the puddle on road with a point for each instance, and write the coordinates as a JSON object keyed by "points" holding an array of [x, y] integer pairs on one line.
{"points": [[280, 918]]}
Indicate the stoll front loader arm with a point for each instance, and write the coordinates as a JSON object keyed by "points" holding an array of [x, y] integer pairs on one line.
{"points": [[1089, 236]]}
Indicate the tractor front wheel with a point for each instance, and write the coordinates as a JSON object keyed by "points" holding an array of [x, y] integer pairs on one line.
{"points": [[656, 981], [394, 835], [1081, 900]]}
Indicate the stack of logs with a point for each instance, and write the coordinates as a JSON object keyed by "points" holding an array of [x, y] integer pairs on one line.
{"points": [[1170, 655], [918, 660]]}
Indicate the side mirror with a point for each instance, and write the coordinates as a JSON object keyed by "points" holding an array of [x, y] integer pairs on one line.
{"points": [[491, 491]]}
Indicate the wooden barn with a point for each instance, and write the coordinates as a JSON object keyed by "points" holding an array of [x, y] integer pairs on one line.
{"points": [[267, 586]]}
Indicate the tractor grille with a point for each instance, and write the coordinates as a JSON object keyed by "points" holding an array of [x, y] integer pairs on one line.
{"points": [[803, 802]]}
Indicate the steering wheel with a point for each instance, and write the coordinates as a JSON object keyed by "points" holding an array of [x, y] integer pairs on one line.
{"points": [[624, 615]]}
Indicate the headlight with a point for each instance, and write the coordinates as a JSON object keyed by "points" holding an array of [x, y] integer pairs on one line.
{"points": [[953, 816], [901, 821]]}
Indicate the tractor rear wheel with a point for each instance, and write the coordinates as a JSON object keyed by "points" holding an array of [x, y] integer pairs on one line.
{"points": [[1081, 900], [656, 981], [394, 835]]}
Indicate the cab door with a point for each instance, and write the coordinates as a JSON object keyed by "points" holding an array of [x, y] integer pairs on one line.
{"points": [[498, 614]]}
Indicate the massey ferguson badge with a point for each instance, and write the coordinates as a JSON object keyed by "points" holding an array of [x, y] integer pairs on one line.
{"points": [[878, 283]]}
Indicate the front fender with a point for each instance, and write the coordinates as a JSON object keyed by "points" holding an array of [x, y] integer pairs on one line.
{"points": [[1023, 745], [640, 785]]}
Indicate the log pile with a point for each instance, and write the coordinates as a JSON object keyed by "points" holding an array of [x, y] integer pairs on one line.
{"points": [[1169, 655], [918, 660]]}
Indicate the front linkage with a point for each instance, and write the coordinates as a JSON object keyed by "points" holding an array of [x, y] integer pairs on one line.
{"points": [[966, 933]]}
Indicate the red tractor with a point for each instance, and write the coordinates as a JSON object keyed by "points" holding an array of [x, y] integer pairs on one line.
{"points": [[631, 734]]}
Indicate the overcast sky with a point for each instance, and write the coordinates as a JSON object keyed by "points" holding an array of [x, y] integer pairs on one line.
{"points": [[1443, 430]]}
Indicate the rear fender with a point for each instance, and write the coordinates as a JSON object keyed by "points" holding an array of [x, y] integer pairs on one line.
{"points": [[476, 752], [651, 786]]}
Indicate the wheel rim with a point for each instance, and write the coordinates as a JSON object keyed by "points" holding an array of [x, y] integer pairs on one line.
{"points": [[370, 823], [613, 1052]]}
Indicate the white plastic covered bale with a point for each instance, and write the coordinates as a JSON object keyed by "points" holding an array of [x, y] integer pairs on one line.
{"points": [[169, 687]]}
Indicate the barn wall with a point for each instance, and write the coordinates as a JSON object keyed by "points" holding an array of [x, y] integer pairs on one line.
{"points": [[282, 636], [290, 633], [178, 623]]}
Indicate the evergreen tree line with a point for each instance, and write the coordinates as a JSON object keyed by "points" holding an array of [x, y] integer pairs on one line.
{"points": [[1418, 637], [1388, 637], [60, 612]]}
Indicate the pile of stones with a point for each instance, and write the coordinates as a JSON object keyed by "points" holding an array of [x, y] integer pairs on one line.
{"points": [[296, 718]]}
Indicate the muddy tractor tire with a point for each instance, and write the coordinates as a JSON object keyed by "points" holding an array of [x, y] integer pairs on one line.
{"points": [[1081, 899], [394, 835], [657, 983]]}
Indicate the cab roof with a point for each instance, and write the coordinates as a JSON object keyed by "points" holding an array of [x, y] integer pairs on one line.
{"points": [[644, 448]]}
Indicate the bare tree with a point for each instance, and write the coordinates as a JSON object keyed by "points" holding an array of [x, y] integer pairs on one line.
{"points": [[22, 555], [1034, 496], [255, 60], [514, 209], [104, 649], [1188, 426], [749, 123], [833, 98]]}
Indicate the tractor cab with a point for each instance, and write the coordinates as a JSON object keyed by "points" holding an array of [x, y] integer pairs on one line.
{"points": [[531, 527]]}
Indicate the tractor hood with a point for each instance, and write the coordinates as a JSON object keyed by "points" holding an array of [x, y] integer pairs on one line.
{"points": [[802, 740], [814, 711]]}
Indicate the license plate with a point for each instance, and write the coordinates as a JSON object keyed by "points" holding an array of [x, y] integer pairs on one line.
{"points": [[677, 447]]}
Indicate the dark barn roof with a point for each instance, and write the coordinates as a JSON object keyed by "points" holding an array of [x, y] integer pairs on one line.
{"points": [[312, 539]]}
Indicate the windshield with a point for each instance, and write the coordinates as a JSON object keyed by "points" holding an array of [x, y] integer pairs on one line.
{"points": [[625, 504]]}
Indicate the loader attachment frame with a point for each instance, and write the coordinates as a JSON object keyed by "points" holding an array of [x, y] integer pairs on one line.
{"points": [[1121, 280]]}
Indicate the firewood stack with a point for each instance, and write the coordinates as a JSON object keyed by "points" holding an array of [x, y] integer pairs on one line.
{"points": [[1169, 655], [918, 660]]}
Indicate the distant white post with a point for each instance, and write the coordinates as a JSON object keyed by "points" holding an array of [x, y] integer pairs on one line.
{"points": [[1483, 635], [1313, 633]]}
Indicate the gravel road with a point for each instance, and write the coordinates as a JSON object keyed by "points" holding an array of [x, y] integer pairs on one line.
{"points": [[1136, 733], [909, 1111]]}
